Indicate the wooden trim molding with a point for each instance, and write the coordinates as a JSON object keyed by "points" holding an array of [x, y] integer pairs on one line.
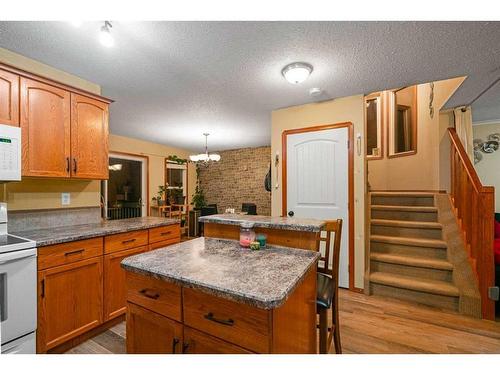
{"points": [[380, 97], [350, 127]]}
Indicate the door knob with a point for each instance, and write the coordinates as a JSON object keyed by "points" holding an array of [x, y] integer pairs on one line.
{"points": [[291, 213]]}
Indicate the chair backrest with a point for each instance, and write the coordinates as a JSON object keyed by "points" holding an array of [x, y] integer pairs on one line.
{"points": [[208, 210], [332, 227], [249, 208], [214, 205]]}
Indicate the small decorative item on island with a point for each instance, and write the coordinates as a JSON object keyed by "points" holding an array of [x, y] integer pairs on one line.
{"points": [[247, 234], [255, 245], [262, 239], [229, 210]]}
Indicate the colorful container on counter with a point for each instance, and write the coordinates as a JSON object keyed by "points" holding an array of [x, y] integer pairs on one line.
{"points": [[255, 245], [262, 239], [247, 234]]}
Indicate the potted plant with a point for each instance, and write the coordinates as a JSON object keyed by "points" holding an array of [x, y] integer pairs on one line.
{"points": [[160, 195], [198, 200], [176, 159]]}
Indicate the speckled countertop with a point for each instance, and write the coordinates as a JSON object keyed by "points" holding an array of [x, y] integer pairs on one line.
{"points": [[52, 236], [263, 278], [271, 222]]}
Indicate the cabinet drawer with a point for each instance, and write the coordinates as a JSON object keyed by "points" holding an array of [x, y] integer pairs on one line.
{"points": [[124, 241], [65, 253], [157, 245], [156, 295], [196, 342], [164, 233], [240, 324]]}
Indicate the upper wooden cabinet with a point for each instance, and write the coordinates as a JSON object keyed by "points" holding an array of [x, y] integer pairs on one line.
{"points": [[9, 98], [64, 130], [45, 129], [89, 138]]}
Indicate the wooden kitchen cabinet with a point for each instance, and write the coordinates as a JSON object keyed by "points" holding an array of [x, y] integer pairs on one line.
{"points": [[70, 301], [152, 333], [45, 129], [9, 98], [89, 138], [115, 292], [196, 342]]}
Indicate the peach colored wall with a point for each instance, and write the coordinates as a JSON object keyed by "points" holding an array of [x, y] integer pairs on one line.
{"points": [[350, 109], [426, 170]]}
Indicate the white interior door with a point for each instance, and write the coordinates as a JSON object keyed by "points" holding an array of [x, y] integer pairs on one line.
{"points": [[318, 182]]}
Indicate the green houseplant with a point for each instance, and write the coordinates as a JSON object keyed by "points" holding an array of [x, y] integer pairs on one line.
{"points": [[198, 200], [160, 195]]}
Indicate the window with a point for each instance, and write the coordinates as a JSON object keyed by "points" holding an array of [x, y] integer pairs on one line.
{"points": [[373, 126], [403, 122], [176, 182], [124, 193]]}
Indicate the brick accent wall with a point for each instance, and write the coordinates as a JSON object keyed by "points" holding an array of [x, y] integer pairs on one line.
{"points": [[238, 178]]}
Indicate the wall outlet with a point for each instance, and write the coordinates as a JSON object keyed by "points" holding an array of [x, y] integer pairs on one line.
{"points": [[65, 199]]}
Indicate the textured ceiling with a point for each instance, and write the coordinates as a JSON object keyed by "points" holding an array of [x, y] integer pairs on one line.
{"points": [[172, 81], [487, 106]]}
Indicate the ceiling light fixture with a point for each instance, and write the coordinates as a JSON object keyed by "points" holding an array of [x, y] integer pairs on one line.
{"points": [[297, 72], [206, 157], [105, 36]]}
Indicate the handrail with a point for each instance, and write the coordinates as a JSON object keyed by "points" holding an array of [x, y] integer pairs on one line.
{"points": [[474, 207]]}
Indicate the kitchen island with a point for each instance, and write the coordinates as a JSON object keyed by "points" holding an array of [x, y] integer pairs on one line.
{"points": [[282, 231], [211, 296]]}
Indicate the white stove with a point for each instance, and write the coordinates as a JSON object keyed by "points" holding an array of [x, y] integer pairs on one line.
{"points": [[17, 291]]}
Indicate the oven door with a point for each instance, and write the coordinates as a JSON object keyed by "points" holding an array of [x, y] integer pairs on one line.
{"points": [[17, 294]]}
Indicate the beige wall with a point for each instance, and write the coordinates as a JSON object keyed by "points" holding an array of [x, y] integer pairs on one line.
{"points": [[427, 169], [156, 154], [488, 168], [238, 178], [350, 109]]}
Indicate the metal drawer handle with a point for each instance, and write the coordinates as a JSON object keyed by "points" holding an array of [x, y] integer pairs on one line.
{"points": [[226, 322], [149, 295], [74, 252], [165, 233], [185, 348], [128, 241], [175, 341]]}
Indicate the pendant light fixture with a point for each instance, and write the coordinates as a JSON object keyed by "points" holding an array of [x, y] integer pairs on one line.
{"points": [[105, 36], [206, 157], [297, 72]]}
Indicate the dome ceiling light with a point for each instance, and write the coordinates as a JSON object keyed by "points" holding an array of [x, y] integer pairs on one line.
{"points": [[206, 157], [297, 72]]}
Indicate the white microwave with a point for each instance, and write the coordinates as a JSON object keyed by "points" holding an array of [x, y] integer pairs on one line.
{"points": [[10, 153]]}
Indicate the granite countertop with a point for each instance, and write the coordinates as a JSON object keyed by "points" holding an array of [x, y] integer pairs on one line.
{"points": [[55, 235], [271, 222], [263, 278]]}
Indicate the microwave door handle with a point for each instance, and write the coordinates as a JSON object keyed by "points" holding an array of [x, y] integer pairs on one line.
{"points": [[3, 297]]}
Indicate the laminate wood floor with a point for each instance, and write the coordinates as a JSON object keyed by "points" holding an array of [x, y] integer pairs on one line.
{"points": [[372, 324]]}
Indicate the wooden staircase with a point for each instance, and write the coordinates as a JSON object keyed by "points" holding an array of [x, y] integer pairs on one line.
{"points": [[408, 256]]}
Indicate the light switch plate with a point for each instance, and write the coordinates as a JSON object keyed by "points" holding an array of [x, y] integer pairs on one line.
{"points": [[65, 199]]}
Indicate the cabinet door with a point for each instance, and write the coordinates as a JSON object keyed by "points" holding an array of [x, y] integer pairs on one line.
{"points": [[151, 333], [69, 301], [196, 342], [115, 289], [45, 129], [89, 138], [9, 98]]}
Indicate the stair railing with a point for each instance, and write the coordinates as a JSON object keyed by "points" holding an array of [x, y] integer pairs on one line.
{"points": [[474, 207]]}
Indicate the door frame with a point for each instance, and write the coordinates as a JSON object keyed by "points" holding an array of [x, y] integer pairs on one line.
{"points": [[350, 179], [131, 156]]}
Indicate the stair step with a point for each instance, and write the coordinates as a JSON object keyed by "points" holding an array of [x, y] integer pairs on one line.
{"points": [[436, 287], [402, 199], [410, 241], [413, 261], [402, 194], [407, 224], [384, 207]]}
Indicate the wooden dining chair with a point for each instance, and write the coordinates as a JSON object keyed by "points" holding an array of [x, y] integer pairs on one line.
{"points": [[327, 292]]}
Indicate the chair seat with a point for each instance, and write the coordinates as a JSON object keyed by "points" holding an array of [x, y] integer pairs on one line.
{"points": [[324, 294]]}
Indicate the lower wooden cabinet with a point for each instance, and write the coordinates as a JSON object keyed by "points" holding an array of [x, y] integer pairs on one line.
{"points": [[196, 342], [151, 333], [70, 301], [115, 301]]}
